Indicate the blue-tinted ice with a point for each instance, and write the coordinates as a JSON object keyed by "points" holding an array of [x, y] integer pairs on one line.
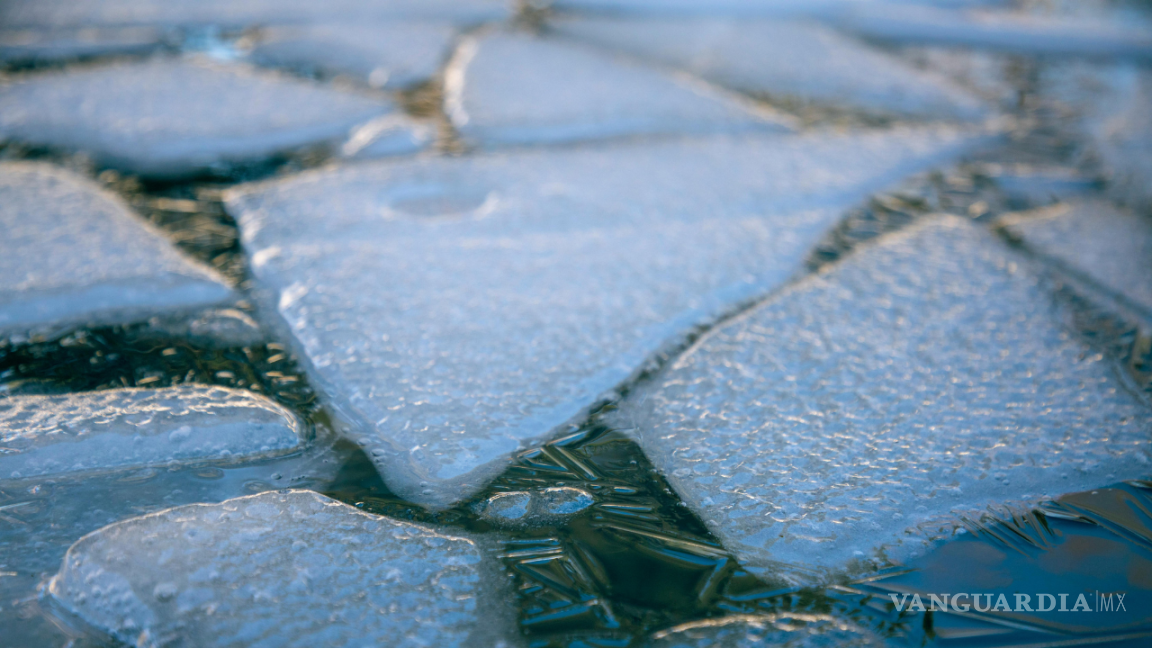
{"points": [[504, 89], [793, 60], [285, 568], [388, 54], [921, 377], [233, 14], [1111, 245], [71, 253], [176, 118], [119, 429], [455, 309], [38, 46]]}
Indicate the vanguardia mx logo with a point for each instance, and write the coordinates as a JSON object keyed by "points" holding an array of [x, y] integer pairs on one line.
{"points": [[983, 602]]}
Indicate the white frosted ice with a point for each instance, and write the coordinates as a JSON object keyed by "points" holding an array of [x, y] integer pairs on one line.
{"points": [[694, 8], [509, 88], [923, 376], [279, 569], [41, 46], [1113, 246], [234, 14], [171, 118], [783, 59], [71, 252], [1121, 129], [739, 8], [455, 309], [798, 630], [1015, 32], [394, 54], [131, 428]]}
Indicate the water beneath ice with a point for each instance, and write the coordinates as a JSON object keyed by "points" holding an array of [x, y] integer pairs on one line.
{"points": [[581, 538]]}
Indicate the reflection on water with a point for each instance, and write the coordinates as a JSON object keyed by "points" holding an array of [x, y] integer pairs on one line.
{"points": [[1092, 548]]}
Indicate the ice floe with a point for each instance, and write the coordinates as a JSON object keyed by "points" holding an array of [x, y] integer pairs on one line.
{"points": [[38, 46], [1111, 245], [507, 88], [50, 436], [286, 568], [232, 14], [1015, 32], [786, 60], [455, 309], [798, 630], [73, 253], [172, 118], [393, 54], [926, 375]]}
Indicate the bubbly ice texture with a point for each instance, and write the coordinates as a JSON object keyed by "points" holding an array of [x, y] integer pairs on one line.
{"points": [[389, 54], [504, 89], [800, 630], [455, 309], [232, 14], [45, 436], [286, 568], [927, 375], [72, 252], [1110, 245], [792, 60], [171, 118]]}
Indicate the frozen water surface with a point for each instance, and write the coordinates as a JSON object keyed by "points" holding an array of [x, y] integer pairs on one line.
{"points": [[454, 309], [1016, 32], [287, 568], [504, 89], [1113, 246], [803, 630], [920, 377], [1121, 129], [171, 118], [230, 13], [784, 59], [396, 54], [131, 428], [34, 46], [72, 252]]}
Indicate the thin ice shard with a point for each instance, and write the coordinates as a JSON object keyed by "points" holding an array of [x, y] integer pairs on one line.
{"points": [[287, 568], [791, 60], [922, 376], [251, 13], [796, 630], [457, 308], [1016, 32], [172, 118], [1113, 246], [504, 89], [50, 436], [391, 54], [71, 252], [39, 46]]}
